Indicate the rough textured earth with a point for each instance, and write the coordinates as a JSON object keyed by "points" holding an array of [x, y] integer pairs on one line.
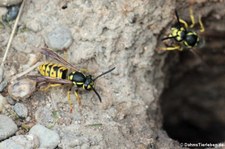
{"points": [[143, 98]]}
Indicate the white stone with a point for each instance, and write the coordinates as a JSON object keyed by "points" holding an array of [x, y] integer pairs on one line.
{"points": [[9, 2], [48, 138]]}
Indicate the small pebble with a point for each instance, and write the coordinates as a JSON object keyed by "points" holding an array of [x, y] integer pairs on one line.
{"points": [[12, 13], [10, 100], [21, 89], [48, 138], [59, 38], [21, 110], [20, 142], [3, 101], [28, 119], [7, 127], [9, 2]]}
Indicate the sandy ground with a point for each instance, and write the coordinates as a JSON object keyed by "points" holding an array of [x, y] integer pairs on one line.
{"points": [[153, 99]]}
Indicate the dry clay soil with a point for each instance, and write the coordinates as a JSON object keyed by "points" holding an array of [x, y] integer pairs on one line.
{"points": [[150, 91]]}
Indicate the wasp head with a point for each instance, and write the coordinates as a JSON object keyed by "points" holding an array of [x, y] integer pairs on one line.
{"points": [[89, 83]]}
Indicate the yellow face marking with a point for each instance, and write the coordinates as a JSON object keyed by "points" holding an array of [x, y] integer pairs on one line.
{"points": [[179, 36], [174, 32]]}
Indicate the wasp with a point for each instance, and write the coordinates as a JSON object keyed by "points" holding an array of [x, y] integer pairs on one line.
{"points": [[183, 34], [64, 73]]}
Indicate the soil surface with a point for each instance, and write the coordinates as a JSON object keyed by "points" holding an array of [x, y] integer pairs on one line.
{"points": [[153, 98]]}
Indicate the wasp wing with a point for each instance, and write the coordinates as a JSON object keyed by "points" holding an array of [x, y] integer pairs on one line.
{"points": [[55, 56], [45, 79]]}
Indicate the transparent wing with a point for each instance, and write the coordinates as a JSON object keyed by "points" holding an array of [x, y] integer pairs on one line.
{"points": [[45, 79], [55, 56]]}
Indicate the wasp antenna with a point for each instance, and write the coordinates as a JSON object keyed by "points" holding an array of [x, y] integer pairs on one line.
{"points": [[165, 38], [169, 37], [104, 73], [178, 19], [177, 16], [99, 97]]}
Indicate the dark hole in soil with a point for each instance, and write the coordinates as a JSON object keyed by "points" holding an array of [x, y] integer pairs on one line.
{"points": [[64, 6], [193, 102]]}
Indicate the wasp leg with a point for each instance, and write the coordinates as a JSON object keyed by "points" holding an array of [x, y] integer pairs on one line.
{"points": [[192, 17], [183, 22], [69, 101], [50, 85], [172, 48], [202, 28], [77, 97]]}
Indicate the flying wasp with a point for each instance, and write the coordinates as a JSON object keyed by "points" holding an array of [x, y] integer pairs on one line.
{"points": [[183, 35], [64, 73]]}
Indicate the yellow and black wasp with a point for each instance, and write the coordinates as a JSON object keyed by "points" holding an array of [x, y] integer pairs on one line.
{"points": [[183, 35], [53, 74]]}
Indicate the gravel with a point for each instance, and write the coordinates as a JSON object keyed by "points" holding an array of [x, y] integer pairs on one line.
{"points": [[59, 38], [48, 138], [21, 110], [12, 13], [21, 89], [20, 142], [7, 127], [9, 2]]}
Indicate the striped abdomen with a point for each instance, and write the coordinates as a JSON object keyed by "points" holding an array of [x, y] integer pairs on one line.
{"points": [[53, 70]]}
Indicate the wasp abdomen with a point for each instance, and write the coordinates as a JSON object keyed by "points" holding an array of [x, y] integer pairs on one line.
{"points": [[191, 39], [53, 70]]}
